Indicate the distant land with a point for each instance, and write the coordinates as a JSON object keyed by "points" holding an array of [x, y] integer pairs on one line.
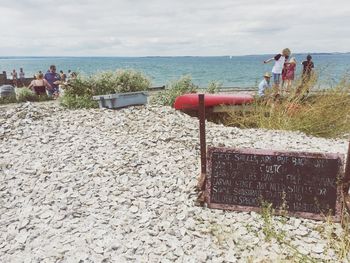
{"points": [[231, 71], [296, 54]]}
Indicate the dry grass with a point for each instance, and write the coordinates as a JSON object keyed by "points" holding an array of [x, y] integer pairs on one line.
{"points": [[323, 113]]}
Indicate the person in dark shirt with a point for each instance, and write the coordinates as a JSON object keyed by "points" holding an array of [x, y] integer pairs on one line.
{"points": [[54, 80], [306, 80], [308, 65]]}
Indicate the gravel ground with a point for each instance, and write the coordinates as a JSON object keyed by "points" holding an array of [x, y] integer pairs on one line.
{"points": [[119, 186]]}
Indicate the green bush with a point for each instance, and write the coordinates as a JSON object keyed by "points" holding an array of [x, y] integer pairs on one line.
{"points": [[25, 94], [323, 114], [78, 93], [77, 102], [131, 81], [7, 99], [174, 89], [214, 87]]}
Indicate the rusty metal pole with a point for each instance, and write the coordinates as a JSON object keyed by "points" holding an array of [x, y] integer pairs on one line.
{"points": [[347, 167], [202, 134], [346, 182]]}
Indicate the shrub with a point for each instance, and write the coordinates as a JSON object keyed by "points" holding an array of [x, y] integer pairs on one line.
{"points": [[131, 81], [78, 93], [174, 89], [324, 114], [214, 87], [8, 99], [78, 102], [25, 94]]}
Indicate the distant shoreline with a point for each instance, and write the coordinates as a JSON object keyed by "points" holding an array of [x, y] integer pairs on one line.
{"points": [[177, 56], [230, 71]]}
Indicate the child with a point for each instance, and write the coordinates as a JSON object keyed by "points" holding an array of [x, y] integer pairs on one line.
{"points": [[264, 84], [278, 67], [288, 74]]}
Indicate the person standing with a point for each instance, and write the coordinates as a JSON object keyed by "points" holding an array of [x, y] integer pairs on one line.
{"points": [[14, 78], [21, 77], [264, 85], [308, 66], [63, 76], [288, 74], [54, 80], [278, 66], [69, 74]]}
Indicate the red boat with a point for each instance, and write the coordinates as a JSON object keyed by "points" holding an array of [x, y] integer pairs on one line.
{"points": [[190, 101]]}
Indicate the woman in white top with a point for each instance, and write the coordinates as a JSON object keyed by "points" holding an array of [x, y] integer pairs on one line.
{"points": [[39, 85], [278, 67]]}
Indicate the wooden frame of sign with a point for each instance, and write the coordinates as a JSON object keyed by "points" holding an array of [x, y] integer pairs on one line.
{"points": [[309, 184]]}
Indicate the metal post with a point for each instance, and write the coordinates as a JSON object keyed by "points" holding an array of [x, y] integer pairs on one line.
{"points": [[202, 134], [347, 167], [346, 182]]}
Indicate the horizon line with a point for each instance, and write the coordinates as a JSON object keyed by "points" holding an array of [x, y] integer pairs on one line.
{"points": [[159, 56]]}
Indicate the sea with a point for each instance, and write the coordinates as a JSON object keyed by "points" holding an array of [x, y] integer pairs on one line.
{"points": [[229, 71]]}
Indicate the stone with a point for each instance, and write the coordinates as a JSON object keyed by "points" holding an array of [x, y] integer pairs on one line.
{"points": [[318, 248], [134, 209], [22, 237], [126, 193]]}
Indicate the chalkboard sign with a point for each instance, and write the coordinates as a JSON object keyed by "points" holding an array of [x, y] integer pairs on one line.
{"points": [[307, 183]]}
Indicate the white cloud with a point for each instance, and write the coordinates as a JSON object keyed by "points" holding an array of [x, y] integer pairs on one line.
{"points": [[164, 27]]}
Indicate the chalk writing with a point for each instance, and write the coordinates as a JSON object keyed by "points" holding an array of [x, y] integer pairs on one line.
{"points": [[306, 183]]}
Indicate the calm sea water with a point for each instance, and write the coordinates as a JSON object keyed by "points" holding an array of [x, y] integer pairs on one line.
{"points": [[235, 71]]}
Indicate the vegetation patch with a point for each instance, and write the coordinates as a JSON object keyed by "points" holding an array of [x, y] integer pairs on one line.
{"points": [[183, 85], [23, 95], [79, 92], [323, 114], [174, 89], [8, 99]]}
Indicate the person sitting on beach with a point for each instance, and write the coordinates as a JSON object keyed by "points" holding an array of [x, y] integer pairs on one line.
{"points": [[278, 66], [288, 74], [264, 85], [54, 80], [14, 77], [39, 85]]}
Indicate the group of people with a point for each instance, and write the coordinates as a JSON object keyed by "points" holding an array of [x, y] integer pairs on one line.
{"points": [[45, 84], [284, 69], [18, 81]]}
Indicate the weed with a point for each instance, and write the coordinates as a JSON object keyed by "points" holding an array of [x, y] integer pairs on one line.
{"points": [[25, 94], [338, 239], [8, 99], [174, 89], [77, 102], [214, 87], [78, 93], [325, 114]]}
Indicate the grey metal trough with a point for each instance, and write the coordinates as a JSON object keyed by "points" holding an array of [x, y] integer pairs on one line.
{"points": [[120, 100]]}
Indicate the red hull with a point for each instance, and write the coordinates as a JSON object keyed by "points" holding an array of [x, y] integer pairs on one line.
{"points": [[190, 101]]}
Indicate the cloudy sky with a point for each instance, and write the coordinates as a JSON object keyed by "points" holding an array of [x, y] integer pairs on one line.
{"points": [[172, 27]]}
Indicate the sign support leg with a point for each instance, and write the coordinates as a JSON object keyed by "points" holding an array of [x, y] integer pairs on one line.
{"points": [[203, 150], [346, 182]]}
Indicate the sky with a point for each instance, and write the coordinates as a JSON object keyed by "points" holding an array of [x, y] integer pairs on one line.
{"points": [[172, 27]]}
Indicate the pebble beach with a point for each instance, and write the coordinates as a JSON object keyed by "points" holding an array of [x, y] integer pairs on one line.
{"points": [[120, 186]]}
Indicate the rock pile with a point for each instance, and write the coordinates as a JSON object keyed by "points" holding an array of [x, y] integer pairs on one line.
{"points": [[119, 186]]}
